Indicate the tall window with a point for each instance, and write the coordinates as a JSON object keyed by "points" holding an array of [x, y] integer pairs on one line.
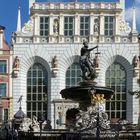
{"points": [[36, 91], [3, 89], [3, 66], [109, 25], [84, 26], [68, 26], [44, 26], [116, 79], [73, 75]]}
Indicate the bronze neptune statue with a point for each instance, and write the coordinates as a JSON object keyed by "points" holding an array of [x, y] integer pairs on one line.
{"points": [[87, 66]]}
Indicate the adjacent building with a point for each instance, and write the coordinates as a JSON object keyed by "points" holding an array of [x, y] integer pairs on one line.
{"points": [[5, 78], [47, 50]]}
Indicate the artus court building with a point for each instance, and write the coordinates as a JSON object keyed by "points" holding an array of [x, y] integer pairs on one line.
{"points": [[46, 54]]}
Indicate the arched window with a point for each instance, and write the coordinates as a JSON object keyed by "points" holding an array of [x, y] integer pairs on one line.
{"points": [[73, 75], [37, 91], [116, 79]]}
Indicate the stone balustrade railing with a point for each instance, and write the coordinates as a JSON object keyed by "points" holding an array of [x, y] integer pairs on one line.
{"points": [[76, 5]]}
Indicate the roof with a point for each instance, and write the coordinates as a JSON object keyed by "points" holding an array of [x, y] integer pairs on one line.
{"points": [[2, 27], [20, 114]]}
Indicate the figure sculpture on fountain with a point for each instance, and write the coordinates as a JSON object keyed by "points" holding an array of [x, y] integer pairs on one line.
{"points": [[87, 66]]}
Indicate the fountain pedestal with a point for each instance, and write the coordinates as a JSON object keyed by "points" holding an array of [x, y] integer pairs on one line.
{"points": [[91, 98]]}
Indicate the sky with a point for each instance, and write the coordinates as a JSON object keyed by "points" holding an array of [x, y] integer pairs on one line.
{"points": [[9, 10]]}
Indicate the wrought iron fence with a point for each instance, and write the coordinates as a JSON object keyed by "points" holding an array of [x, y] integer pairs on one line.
{"points": [[64, 135]]}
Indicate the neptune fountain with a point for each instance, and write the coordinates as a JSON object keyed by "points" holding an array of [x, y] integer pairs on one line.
{"points": [[91, 117]]}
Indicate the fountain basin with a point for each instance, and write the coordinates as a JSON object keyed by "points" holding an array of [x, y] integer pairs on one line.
{"points": [[81, 93]]}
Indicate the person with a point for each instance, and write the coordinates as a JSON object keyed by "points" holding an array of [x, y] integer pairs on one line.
{"points": [[87, 66]]}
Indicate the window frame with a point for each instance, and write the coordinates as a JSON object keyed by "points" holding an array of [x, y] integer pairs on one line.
{"points": [[44, 31], [84, 23], [6, 89], [5, 71], [107, 24], [67, 24]]}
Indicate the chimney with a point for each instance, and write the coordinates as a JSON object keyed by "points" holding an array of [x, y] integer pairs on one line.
{"points": [[2, 28]]}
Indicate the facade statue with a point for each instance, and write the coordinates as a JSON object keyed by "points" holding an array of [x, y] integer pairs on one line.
{"points": [[16, 63], [87, 66], [56, 27], [96, 26], [135, 61], [55, 62], [16, 66], [55, 66]]}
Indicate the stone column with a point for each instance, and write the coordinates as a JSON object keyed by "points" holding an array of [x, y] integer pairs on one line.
{"points": [[61, 28], [101, 37], [77, 29]]}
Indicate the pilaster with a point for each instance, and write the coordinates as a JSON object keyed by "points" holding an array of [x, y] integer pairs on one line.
{"points": [[91, 23], [117, 31], [77, 29], [61, 28], [51, 40], [93, 38], [36, 29], [101, 37]]}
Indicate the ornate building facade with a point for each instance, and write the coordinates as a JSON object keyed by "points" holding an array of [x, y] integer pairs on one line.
{"points": [[5, 79], [48, 49]]}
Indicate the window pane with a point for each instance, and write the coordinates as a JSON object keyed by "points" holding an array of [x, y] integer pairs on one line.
{"points": [[3, 89], [3, 66], [72, 78], [28, 96], [29, 106]]}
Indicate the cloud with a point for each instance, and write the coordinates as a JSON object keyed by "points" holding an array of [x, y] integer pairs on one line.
{"points": [[129, 11], [137, 1]]}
